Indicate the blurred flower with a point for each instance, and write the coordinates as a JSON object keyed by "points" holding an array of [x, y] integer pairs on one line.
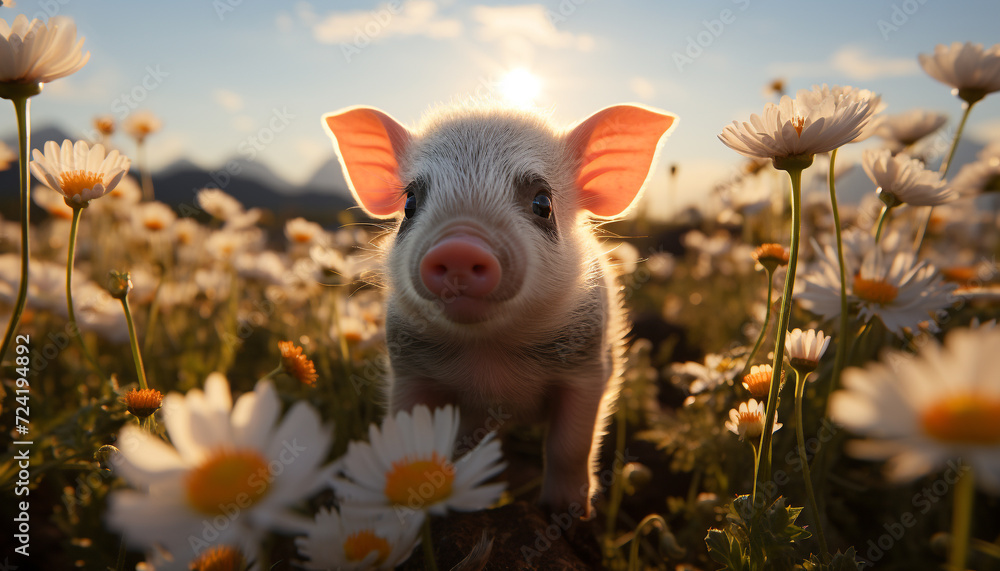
{"points": [[758, 380], [8, 156], [126, 193], [141, 124], [119, 284], [977, 178], [214, 558], [972, 71], [408, 466], [770, 256], [889, 283], [622, 256], [220, 465], [188, 232], [296, 364], [358, 541], [218, 203], [301, 231], [718, 370], [904, 129], [922, 411], [154, 216], [142, 403], [268, 267], [805, 348], [747, 421], [661, 265], [33, 52], [52, 202], [903, 180], [814, 122], [105, 125], [78, 171]]}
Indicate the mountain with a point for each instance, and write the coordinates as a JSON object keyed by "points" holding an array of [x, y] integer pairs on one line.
{"points": [[39, 137], [330, 176]]}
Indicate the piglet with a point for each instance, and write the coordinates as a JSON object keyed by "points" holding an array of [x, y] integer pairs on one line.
{"points": [[499, 298]]}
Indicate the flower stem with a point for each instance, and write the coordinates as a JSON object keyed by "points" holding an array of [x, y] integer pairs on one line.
{"points": [[966, 109], [429, 561], [617, 486], [147, 178], [800, 383], [961, 524], [838, 360], [881, 223], [763, 328], [139, 370], [21, 108], [633, 556], [74, 329], [764, 468]]}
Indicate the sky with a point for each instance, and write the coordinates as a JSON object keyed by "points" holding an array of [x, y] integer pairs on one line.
{"points": [[251, 79]]}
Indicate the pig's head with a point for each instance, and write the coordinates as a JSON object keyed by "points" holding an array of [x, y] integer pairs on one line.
{"points": [[492, 205]]}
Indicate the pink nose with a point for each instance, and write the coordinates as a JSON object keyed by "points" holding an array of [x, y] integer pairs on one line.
{"points": [[460, 265]]}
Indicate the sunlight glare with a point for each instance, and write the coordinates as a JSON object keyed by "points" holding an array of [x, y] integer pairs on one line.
{"points": [[520, 87]]}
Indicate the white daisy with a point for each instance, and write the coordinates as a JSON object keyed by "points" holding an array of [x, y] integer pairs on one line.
{"points": [[33, 52], [805, 348], [922, 411], [718, 370], [358, 541], [154, 216], [901, 179], [217, 203], [230, 474], [978, 177], [814, 122], [78, 171], [971, 70], [141, 124], [408, 467], [301, 231], [904, 129], [747, 421], [886, 282]]}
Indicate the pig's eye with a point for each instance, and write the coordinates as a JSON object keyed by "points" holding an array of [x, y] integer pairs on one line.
{"points": [[542, 205], [410, 206]]}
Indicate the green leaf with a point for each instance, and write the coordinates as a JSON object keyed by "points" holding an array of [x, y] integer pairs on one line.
{"points": [[725, 549]]}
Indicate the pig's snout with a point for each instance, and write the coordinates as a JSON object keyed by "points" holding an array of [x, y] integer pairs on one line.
{"points": [[460, 266]]}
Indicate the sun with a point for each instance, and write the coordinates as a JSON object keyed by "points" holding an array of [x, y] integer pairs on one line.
{"points": [[520, 87]]}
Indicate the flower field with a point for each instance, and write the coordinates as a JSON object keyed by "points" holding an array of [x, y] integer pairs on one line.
{"points": [[805, 384]]}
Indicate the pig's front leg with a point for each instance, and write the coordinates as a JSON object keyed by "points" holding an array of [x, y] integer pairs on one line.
{"points": [[572, 444]]}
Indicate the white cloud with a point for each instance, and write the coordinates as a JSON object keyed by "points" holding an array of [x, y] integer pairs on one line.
{"points": [[228, 100], [413, 18], [284, 22], [854, 62], [521, 27], [94, 89], [642, 88]]}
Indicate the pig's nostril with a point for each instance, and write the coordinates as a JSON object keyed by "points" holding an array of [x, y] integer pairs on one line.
{"points": [[460, 265]]}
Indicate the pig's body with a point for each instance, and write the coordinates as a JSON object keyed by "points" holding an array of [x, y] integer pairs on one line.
{"points": [[499, 300]]}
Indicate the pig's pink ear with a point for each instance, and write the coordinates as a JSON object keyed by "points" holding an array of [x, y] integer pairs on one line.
{"points": [[616, 147], [369, 144]]}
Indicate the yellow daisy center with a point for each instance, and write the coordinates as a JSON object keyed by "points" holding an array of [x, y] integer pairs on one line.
{"points": [[964, 419], [219, 558], [750, 422], [419, 483], [75, 182], [154, 224], [302, 237], [358, 545], [876, 291], [229, 479], [959, 274]]}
